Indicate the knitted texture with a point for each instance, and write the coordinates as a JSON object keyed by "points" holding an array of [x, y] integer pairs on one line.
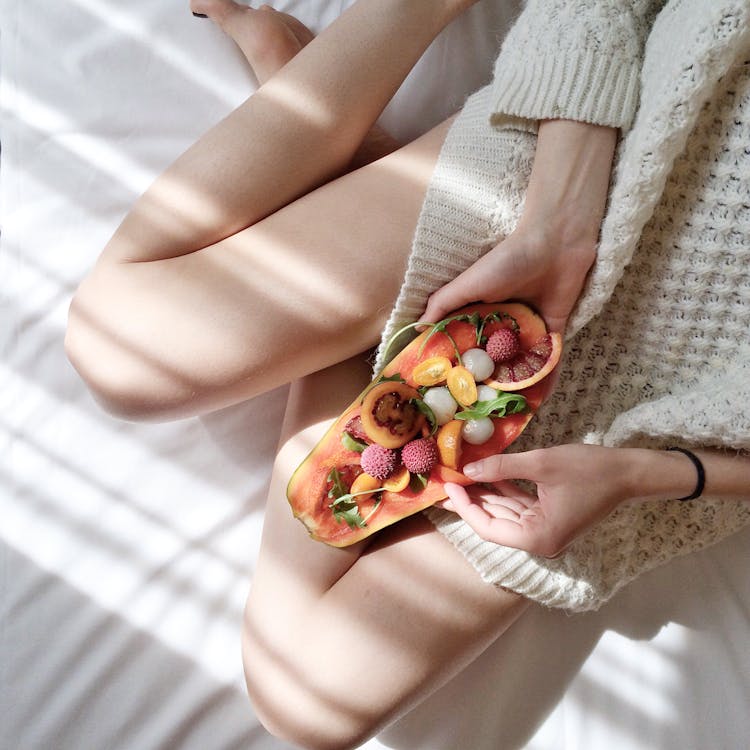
{"points": [[658, 349], [572, 59]]}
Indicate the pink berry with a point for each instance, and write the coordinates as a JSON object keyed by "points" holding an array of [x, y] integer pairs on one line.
{"points": [[419, 456], [379, 462], [503, 345]]}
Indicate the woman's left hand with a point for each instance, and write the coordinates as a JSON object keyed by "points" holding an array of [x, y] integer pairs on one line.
{"points": [[577, 486]]}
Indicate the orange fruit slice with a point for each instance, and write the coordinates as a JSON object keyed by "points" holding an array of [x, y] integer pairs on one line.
{"points": [[363, 483], [398, 481], [449, 443]]}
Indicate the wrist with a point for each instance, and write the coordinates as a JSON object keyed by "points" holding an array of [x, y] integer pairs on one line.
{"points": [[657, 474]]}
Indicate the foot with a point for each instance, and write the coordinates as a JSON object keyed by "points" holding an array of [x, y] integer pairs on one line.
{"points": [[267, 37]]}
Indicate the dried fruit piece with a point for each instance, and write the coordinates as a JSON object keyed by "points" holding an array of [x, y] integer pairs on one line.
{"points": [[389, 418], [449, 444], [462, 386], [432, 371]]}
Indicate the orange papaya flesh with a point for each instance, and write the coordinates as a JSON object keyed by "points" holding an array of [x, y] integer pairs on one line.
{"points": [[308, 489]]}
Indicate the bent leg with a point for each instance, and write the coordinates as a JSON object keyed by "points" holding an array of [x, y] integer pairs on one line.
{"points": [[300, 129], [306, 287], [338, 643]]}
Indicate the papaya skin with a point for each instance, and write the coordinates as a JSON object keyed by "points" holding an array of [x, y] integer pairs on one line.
{"points": [[307, 490]]}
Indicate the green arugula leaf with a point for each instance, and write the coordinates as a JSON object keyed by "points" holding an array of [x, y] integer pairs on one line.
{"points": [[351, 443], [344, 506], [346, 509], [395, 378], [418, 482], [338, 488], [427, 411], [502, 406], [440, 327], [494, 317]]}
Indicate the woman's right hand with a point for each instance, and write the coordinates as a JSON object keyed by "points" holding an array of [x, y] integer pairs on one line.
{"points": [[545, 260]]}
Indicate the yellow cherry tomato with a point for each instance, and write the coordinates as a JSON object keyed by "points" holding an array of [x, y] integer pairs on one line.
{"points": [[432, 371], [462, 386]]}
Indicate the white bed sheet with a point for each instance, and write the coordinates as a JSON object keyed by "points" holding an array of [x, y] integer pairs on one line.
{"points": [[126, 550]]}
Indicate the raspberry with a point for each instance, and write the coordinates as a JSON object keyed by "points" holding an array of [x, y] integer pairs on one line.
{"points": [[379, 462], [419, 456], [503, 345]]}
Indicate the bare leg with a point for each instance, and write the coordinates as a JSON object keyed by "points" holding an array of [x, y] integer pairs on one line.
{"points": [[175, 321], [339, 643], [297, 131], [269, 39]]}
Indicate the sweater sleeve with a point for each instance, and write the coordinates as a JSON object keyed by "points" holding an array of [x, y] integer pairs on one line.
{"points": [[572, 59]]}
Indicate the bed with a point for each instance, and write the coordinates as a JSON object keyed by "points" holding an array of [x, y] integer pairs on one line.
{"points": [[126, 549]]}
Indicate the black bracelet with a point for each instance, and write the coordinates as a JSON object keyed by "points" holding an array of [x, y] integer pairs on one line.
{"points": [[701, 483]]}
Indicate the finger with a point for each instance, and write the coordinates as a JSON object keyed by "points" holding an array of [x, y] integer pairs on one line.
{"points": [[508, 488], [445, 301], [445, 505], [499, 530], [501, 511], [504, 466], [489, 499]]}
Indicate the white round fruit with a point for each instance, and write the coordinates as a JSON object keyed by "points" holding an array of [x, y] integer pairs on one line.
{"points": [[486, 393], [441, 402], [478, 363], [477, 431]]}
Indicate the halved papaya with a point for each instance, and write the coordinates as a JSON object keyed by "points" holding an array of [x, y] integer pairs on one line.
{"points": [[321, 491]]}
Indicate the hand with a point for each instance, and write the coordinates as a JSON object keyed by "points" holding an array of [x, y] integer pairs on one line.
{"points": [[577, 486], [528, 266], [545, 260]]}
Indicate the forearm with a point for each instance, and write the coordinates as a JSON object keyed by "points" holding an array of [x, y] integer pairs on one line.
{"points": [[295, 132], [567, 192]]}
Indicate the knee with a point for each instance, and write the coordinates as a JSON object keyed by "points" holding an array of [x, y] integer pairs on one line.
{"points": [[124, 383], [298, 707]]}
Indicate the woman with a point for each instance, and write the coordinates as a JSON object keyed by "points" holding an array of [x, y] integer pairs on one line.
{"points": [[258, 257]]}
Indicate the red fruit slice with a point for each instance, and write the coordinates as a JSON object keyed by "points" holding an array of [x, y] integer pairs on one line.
{"points": [[529, 366]]}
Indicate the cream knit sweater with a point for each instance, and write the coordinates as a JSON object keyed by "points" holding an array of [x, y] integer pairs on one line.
{"points": [[658, 348]]}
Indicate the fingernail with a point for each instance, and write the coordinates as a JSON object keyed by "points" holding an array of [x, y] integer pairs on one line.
{"points": [[448, 505], [473, 470]]}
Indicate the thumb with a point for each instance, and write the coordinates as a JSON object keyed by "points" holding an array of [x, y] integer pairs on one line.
{"points": [[503, 466], [445, 300]]}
